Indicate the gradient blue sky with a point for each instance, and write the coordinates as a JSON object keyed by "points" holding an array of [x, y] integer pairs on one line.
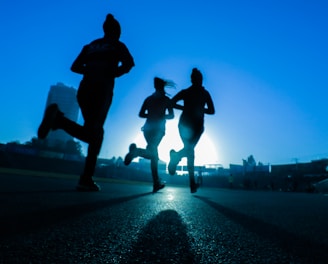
{"points": [[264, 62]]}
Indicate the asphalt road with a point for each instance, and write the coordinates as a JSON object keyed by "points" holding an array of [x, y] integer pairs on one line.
{"points": [[44, 220]]}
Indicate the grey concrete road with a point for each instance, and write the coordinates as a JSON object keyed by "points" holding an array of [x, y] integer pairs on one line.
{"points": [[44, 220]]}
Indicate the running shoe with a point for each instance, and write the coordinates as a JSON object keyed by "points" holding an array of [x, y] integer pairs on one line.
{"points": [[194, 187], [158, 187], [48, 121], [87, 186], [131, 155]]}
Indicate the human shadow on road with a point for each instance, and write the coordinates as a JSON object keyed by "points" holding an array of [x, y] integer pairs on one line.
{"points": [[17, 223], [163, 240], [308, 250]]}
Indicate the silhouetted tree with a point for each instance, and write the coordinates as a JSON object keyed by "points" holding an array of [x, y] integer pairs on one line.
{"points": [[73, 147], [251, 161], [119, 161], [69, 147], [14, 143], [37, 143]]}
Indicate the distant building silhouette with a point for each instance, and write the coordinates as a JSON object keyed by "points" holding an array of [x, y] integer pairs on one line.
{"points": [[65, 97]]}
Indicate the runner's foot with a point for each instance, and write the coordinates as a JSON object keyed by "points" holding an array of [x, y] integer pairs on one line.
{"points": [[87, 186], [131, 155], [158, 187], [194, 187], [48, 121]]}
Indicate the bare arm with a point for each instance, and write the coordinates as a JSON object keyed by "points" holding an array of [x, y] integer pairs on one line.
{"points": [[78, 65], [174, 101], [127, 62], [210, 106], [143, 113], [170, 114]]}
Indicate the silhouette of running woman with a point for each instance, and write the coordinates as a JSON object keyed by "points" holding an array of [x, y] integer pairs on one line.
{"points": [[100, 62], [156, 109], [196, 103]]}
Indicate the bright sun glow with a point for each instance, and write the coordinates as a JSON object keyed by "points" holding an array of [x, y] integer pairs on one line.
{"points": [[205, 152]]}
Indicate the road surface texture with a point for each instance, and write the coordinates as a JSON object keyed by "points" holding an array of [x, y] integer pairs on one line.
{"points": [[44, 220]]}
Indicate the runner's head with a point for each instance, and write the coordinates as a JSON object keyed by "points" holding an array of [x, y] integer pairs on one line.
{"points": [[160, 84], [196, 77], [112, 27]]}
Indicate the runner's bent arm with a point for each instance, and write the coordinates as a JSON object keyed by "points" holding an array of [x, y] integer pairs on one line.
{"points": [[169, 108], [175, 99], [210, 106], [143, 110], [78, 65], [127, 61]]}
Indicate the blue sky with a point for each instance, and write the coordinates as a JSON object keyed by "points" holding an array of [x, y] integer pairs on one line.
{"points": [[264, 63]]}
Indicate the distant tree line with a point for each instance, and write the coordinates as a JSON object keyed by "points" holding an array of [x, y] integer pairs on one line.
{"points": [[69, 147], [250, 161]]}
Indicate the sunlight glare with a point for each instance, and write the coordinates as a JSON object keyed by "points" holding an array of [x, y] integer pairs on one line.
{"points": [[170, 195], [205, 151]]}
